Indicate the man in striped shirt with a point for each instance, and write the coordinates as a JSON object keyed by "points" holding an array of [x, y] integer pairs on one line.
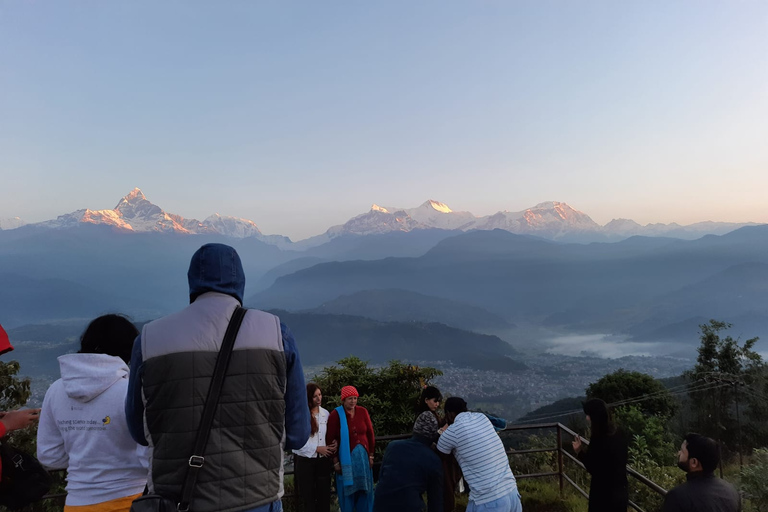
{"points": [[480, 453]]}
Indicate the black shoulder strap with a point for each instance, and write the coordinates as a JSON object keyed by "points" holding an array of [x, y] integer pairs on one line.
{"points": [[197, 460]]}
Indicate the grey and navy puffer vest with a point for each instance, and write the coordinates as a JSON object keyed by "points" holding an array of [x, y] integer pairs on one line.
{"points": [[244, 457]]}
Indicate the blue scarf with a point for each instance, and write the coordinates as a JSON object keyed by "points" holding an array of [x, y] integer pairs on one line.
{"points": [[345, 457]]}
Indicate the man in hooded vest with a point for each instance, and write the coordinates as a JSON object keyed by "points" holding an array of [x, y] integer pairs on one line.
{"points": [[262, 410]]}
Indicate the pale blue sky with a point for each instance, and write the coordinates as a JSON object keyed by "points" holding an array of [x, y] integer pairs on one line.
{"points": [[299, 115]]}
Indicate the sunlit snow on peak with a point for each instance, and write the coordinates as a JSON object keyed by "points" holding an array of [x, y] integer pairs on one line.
{"points": [[135, 194], [438, 206]]}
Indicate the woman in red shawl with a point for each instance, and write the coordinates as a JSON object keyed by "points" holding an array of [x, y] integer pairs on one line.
{"points": [[353, 461]]}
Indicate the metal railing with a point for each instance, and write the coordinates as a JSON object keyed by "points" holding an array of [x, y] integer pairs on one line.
{"points": [[562, 453]]}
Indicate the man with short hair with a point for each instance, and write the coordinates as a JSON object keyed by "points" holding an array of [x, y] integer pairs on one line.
{"points": [[703, 491], [470, 436], [262, 410], [409, 469]]}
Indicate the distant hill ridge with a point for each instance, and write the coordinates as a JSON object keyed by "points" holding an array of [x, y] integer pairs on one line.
{"points": [[324, 339], [392, 305]]}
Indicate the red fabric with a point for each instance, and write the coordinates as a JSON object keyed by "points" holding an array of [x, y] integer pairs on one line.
{"points": [[5, 343], [360, 429], [348, 391]]}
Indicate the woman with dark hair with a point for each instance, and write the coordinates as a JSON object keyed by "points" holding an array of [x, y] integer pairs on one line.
{"points": [[312, 463], [605, 459], [112, 335], [82, 424], [429, 400], [429, 403]]}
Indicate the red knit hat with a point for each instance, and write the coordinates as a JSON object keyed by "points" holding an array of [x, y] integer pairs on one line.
{"points": [[348, 391]]}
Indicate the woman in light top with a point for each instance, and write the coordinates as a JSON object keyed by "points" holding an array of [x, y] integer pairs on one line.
{"points": [[82, 424], [312, 463]]}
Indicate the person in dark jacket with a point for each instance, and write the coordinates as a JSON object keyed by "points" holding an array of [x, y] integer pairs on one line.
{"points": [[409, 469], [605, 459], [703, 491], [263, 406]]}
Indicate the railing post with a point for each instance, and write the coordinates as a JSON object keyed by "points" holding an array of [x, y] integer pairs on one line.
{"points": [[560, 469]]}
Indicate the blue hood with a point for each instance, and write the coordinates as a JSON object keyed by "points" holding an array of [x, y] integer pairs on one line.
{"points": [[216, 268]]}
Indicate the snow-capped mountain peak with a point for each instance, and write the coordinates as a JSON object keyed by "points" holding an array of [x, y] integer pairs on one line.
{"points": [[12, 223], [136, 206], [434, 214], [564, 210], [231, 226], [376, 221], [380, 219], [135, 212], [133, 196], [437, 206], [551, 218]]}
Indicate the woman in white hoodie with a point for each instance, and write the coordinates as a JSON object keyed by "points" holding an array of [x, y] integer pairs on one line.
{"points": [[82, 424]]}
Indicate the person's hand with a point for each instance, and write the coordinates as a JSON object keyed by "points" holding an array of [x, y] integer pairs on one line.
{"points": [[576, 444], [15, 420], [337, 467], [370, 460], [327, 451]]}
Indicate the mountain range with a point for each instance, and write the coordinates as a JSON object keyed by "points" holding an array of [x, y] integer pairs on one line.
{"points": [[520, 287], [647, 289], [135, 212], [551, 220]]}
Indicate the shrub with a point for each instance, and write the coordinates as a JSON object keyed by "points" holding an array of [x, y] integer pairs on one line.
{"points": [[666, 477], [754, 483]]}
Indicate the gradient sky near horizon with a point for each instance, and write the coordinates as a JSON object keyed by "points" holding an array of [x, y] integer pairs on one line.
{"points": [[300, 115]]}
